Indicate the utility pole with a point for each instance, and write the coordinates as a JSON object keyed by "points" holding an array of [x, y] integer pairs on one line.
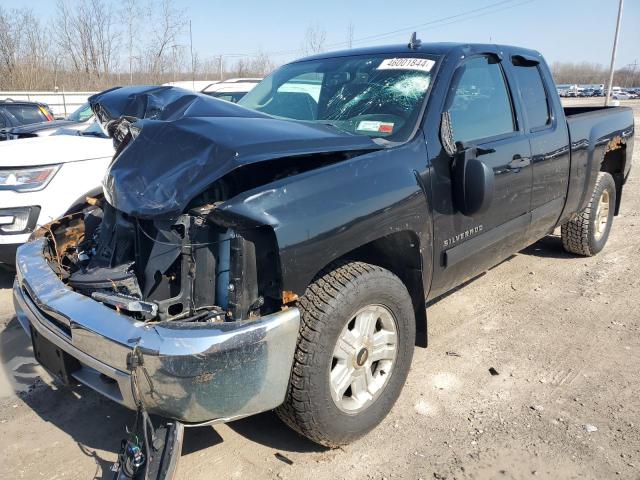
{"points": [[193, 65], [613, 54], [220, 67], [350, 30]]}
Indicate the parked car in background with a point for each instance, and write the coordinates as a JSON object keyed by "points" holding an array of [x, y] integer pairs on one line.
{"points": [[193, 85], [231, 90], [43, 178], [78, 120], [620, 95], [18, 113]]}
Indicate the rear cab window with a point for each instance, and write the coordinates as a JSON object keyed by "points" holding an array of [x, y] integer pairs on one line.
{"points": [[535, 100]]}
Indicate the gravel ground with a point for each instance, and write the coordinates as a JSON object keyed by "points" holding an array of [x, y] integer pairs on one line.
{"points": [[562, 332]]}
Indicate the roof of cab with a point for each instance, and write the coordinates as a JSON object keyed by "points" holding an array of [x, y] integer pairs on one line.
{"points": [[436, 48]]}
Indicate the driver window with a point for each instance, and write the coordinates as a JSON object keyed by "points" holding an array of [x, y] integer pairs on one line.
{"points": [[479, 104]]}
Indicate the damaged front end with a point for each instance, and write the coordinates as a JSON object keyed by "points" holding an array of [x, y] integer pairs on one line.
{"points": [[190, 306], [103, 292], [159, 276], [207, 348]]}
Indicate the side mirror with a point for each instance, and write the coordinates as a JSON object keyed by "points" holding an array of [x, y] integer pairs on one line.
{"points": [[472, 180]]}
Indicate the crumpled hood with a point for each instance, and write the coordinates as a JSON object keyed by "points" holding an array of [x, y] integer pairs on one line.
{"points": [[171, 144]]}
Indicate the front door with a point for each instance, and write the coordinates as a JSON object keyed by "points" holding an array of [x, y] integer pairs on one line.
{"points": [[482, 113]]}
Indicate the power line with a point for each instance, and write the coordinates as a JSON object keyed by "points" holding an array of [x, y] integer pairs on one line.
{"points": [[413, 28], [480, 11]]}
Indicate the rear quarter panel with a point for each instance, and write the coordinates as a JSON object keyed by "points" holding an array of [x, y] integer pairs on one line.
{"points": [[590, 133]]}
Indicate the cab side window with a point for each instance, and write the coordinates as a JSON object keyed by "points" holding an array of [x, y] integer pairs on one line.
{"points": [[479, 102], [534, 96]]}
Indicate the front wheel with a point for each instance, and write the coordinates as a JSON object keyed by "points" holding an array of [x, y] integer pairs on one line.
{"points": [[353, 355], [587, 233]]}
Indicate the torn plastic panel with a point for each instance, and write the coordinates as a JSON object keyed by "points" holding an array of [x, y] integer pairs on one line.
{"points": [[172, 145]]}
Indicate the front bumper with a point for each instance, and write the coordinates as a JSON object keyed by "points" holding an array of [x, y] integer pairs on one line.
{"points": [[212, 372]]}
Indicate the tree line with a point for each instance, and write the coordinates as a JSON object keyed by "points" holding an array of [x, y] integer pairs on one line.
{"points": [[96, 44], [585, 73]]}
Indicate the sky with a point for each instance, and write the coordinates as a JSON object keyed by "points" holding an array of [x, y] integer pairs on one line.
{"points": [[562, 30]]}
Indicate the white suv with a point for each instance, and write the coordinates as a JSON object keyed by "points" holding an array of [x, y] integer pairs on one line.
{"points": [[43, 178]]}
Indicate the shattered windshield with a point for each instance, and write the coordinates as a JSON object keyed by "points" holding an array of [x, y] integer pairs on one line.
{"points": [[379, 96]]}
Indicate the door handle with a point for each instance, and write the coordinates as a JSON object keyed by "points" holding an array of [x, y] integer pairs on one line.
{"points": [[518, 162]]}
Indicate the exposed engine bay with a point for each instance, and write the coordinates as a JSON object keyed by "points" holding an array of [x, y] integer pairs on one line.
{"points": [[188, 268]]}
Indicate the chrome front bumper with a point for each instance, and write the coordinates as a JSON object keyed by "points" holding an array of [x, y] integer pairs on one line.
{"points": [[200, 372]]}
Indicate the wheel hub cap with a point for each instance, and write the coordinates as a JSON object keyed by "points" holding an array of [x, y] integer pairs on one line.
{"points": [[602, 215], [363, 358]]}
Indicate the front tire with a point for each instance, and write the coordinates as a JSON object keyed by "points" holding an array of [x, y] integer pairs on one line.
{"points": [[353, 355], [588, 232]]}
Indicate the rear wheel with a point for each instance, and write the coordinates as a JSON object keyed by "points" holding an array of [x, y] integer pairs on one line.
{"points": [[588, 232], [353, 355]]}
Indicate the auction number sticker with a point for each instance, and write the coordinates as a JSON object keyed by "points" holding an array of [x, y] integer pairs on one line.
{"points": [[422, 64]]}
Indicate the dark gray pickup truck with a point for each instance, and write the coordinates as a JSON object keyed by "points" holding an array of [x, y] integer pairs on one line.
{"points": [[279, 253]]}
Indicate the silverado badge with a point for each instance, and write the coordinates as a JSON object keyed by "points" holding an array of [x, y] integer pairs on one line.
{"points": [[461, 236]]}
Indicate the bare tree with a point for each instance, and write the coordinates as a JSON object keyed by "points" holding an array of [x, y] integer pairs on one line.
{"points": [[314, 39], [261, 64], [10, 34], [88, 37], [168, 24], [131, 12]]}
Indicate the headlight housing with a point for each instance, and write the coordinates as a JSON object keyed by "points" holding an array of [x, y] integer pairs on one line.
{"points": [[27, 179]]}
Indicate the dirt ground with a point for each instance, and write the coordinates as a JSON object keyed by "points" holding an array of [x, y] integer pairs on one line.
{"points": [[562, 332]]}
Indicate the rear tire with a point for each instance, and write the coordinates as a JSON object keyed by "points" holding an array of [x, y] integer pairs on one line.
{"points": [[588, 232], [343, 383]]}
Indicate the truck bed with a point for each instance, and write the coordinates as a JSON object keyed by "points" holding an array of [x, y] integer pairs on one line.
{"points": [[572, 111]]}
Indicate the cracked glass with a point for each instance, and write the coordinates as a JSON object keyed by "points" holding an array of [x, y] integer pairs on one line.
{"points": [[379, 96]]}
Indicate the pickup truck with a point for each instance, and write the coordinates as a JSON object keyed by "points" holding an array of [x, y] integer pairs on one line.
{"points": [[280, 252]]}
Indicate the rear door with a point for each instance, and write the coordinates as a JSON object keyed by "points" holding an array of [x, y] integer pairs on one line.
{"points": [[549, 139], [483, 113]]}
